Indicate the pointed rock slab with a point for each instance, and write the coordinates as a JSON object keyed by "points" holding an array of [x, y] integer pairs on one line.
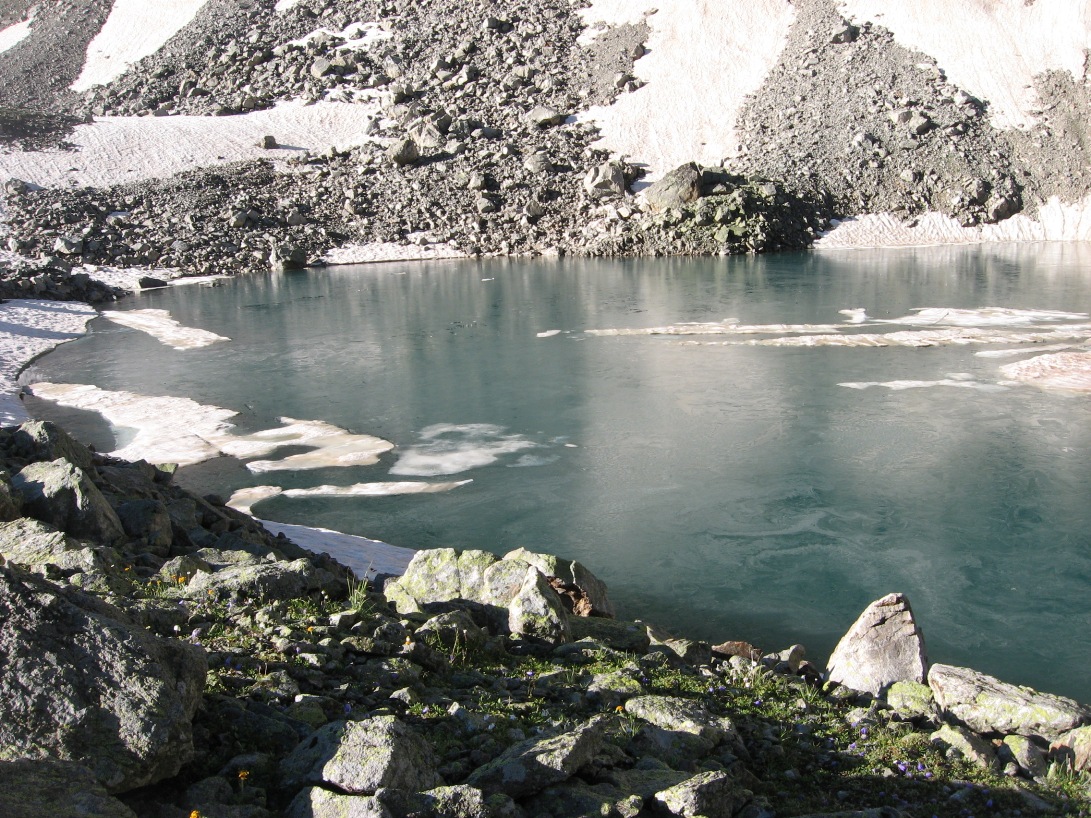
{"points": [[571, 572], [80, 682], [536, 612], [533, 765], [61, 494], [359, 757], [708, 795], [43, 440], [989, 706], [882, 647]]}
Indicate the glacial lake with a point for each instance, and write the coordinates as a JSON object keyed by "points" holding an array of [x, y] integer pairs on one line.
{"points": [[728, 479]]}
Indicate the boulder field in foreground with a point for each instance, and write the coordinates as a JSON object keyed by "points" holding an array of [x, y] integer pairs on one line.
{"points": [[185, 661]]}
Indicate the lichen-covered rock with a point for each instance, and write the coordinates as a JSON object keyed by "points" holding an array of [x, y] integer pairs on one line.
{"points": [[571, 572], [614, 687], [63, 496], [911, 700], [1075, 745], [989, 706], [264, 580], [33, 543], [148, 521], [361, 756], [54, 789], [501, 581], [79, 682], [711, 795], [316, 802], [883, 646], [536, 612], [683, 715], [972, 746], [11, 504], [532, 765], [454, 631], [441, 802], [1030, 758]]}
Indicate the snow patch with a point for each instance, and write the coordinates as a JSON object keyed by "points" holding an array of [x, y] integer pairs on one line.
{"points": [[117, 150], [29, 328], [365, 557], [245, 499], [13, 35], [357, 36], [898, 386], [703, 60], [1056, 221], [159, 325], [991, 49], [130, 33], [390, 251]]}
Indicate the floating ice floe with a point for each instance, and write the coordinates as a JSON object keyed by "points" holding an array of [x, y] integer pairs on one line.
{"points": [[180, 430], [1011, 353], [959, 380], [1068, 371], [953, 336], [159, 325], [549, 333], [983, 317], [449, 448], [718, 328], [245, 499]]}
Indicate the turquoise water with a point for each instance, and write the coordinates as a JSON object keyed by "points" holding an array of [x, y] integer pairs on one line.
{"points": [[724, 490]]}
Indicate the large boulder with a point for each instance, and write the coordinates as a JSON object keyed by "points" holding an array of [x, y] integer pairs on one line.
{"points": [[683, 715], [711, 795], [32, 543], [79, 682], [680, 187], [62, 495], [43, 440], [1076, 746], [11, 504], [883, 646], [989, 706], [359, 757], [279, 579], [532, 765], [55, 789]]}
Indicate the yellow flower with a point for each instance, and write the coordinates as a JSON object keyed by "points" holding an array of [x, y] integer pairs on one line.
{"points": [[243, 775], [619, 709], [195, 814], [181, 580]]}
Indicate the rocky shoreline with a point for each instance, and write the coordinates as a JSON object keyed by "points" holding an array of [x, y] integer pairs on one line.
{"points": [[166, 656]]}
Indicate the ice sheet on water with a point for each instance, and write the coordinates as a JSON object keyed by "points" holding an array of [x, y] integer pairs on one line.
{"points": [[179, 430], [451, 448], [246, 498], [1068, 371], [160, 325]]}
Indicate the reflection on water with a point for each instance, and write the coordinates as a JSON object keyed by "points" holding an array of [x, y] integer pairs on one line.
{"points": [[727, 489]]}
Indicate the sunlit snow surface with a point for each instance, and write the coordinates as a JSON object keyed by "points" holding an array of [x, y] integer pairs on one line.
{"points": [[15, 34], [133, 30], [448, 448]]}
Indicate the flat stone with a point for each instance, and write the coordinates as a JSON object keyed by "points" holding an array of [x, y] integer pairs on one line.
{"points": [[989, 706], [708, 795]]}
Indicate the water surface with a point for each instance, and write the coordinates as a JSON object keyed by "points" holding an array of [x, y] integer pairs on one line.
{"points": [[725, 490]]}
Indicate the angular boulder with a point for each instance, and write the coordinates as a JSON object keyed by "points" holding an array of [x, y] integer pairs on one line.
{"points": [[532, 765], [268, 580], [883, 646], [11, 505], [43, 440], [605, 180], [989, 706], [31, 542], [678, 188], [972, 746], [359, 757], [536, 611], [62, 495], [79, 682]]}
